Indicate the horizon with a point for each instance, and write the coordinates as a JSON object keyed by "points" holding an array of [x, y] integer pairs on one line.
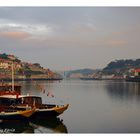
{"points": [[73, 69], [70, 37]]}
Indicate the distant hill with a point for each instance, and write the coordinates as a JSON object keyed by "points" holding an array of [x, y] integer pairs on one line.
{"points": [[115, 69], [24, 70], [122, 64], [80, 73]]}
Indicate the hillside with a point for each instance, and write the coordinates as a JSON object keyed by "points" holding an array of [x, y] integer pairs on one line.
{"points": [[114, 70], [118, 69], [122, 64], [23, 70], [80, 73]]}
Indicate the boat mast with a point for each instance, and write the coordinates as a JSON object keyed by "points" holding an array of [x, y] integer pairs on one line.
{"points": [[12, 76]]}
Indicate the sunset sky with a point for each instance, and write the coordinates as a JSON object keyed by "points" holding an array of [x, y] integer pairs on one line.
{"points": [[62, 38]]}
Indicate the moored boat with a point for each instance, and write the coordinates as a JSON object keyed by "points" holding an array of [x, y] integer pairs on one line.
{"points": [[49, 111], [42, 110], [13, 114], [25, 101]]}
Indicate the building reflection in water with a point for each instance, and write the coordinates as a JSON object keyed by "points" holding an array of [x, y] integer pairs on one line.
{"points": [[12, 126], [33, 87], [123, 90]]}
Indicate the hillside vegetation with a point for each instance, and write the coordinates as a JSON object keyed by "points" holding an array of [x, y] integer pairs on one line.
{"points": [[23, 70], [122, 64]]}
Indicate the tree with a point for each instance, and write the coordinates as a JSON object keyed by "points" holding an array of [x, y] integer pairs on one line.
{"points": [[37, 64], [4, 56]]}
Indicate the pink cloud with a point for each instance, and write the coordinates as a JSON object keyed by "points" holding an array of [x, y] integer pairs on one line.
{"points": [[15, 34], [117, 42]]}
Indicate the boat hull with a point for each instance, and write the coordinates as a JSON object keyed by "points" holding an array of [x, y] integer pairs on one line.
{"points": [[23, 103], [18, 115], [44, 114], [53, 112], [12, 117]]}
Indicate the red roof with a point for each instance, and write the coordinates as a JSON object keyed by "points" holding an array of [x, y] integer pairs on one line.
{"points": [[137, 70]]}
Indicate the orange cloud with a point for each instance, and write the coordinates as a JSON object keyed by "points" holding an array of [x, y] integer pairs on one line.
{"points": [[117, 42], [15, 35]]}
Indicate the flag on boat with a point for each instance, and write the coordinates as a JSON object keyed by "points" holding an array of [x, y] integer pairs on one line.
{"points": [[50, 94]]}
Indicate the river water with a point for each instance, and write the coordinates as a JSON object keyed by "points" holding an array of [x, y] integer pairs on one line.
{"points": [[94, 107]]}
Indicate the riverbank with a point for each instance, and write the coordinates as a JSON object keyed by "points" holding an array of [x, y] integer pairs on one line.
{"points": [[32, 79]]}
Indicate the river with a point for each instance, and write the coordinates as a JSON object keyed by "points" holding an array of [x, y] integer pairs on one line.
{"points": [[94, 107]]}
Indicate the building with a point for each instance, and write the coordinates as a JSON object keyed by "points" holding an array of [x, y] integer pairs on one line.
{"points": [[136, 72], [4, 64], [12, 57], [17, 65]]}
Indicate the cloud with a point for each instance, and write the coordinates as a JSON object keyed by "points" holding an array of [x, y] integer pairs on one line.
{"points": [[18, 30], [85, 27], [78, 34], [117, 42], [15, 35], [125, 37]]}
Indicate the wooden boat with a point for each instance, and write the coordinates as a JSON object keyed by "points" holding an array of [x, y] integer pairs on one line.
{"points": [[14, 99], [8, 113], [49, 111], [42, 110], [25, 101]]}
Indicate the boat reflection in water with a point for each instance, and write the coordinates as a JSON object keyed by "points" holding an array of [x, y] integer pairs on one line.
{"points": [[54, 125], [15, 126]]}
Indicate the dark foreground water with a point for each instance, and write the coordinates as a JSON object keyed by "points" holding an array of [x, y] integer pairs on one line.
{"points": [[95, 107]]}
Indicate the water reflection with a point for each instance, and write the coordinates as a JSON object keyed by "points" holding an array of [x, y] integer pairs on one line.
{"points": [[123, 90], [54, 124], [16, 126], [34, 87]]}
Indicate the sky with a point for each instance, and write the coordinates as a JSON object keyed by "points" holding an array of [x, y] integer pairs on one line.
{"points": [[67, 38]]}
